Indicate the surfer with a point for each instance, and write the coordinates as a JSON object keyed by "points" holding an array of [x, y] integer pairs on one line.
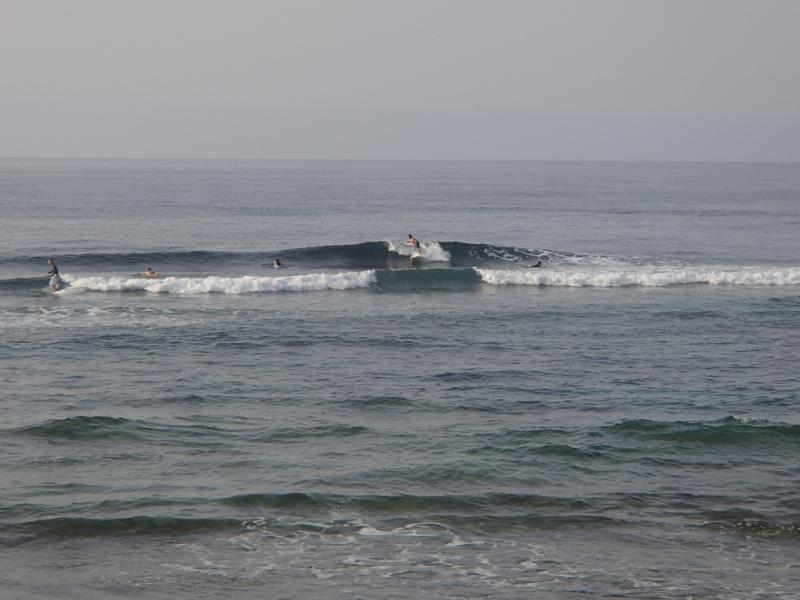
{"points": [[412, 241], [536, 266], [277, 264], [149, 273], [55, 279]]}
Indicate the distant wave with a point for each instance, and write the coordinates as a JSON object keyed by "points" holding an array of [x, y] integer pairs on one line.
{"points": [[81, 527], [364, 255], [86, 428], [246, 284], [100, 428], [407, 504], [729, 430], [646, 277], [135, 260]]}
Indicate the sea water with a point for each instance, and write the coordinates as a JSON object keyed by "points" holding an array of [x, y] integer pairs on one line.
{"points": [[619, 422]]}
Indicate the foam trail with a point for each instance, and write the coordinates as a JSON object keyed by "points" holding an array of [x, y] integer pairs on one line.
{"points": [[430, 251], [246, 284], [641, 277]]}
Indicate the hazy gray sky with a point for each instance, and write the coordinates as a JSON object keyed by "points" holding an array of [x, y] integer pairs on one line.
{"points": [[464, 79]]}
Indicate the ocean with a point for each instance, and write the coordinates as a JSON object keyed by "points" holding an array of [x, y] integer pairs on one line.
{"points": [[619, 422]]}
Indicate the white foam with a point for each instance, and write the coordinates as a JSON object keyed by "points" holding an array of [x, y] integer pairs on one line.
{"points": [[590, 260], [246, 284], [429, 251], [81, 317], [647, 277]]}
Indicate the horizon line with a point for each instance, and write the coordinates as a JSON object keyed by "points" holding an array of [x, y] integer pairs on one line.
{"points": [[353, 159]]}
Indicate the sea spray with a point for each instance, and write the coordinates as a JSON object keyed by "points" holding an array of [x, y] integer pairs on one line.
{"points": [[429, 251]]}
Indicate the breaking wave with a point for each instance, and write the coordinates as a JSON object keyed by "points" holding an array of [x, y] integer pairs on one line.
{"points": [[649, 277], [431, 278], [246, 284], [384, 265]]}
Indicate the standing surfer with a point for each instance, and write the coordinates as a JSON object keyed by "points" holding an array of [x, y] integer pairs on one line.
{"points": [[412, 241], [55, 279]]}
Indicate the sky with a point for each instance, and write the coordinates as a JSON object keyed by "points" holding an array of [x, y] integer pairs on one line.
{"points": [[401, 79]]}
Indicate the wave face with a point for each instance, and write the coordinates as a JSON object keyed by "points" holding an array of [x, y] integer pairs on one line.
{"points": [[78, 527], [18, 284], [476, 255], [365, 255], [430, 279]]}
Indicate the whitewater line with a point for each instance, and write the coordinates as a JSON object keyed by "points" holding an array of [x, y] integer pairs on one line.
{"points": [[644, 278], [246, 284]]}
